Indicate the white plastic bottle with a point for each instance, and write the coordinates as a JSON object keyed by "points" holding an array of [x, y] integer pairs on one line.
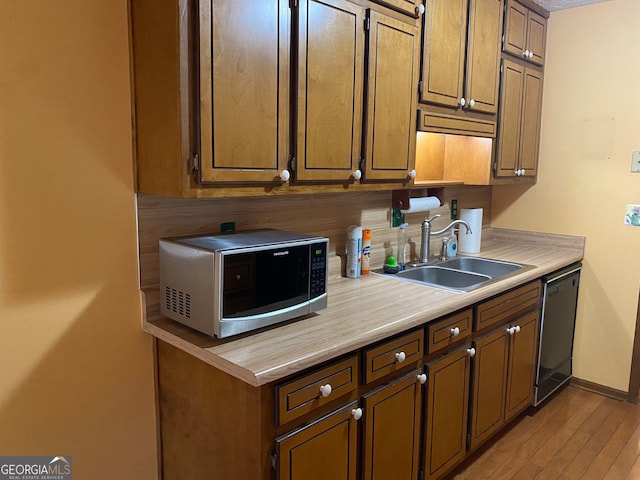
{"points": [[354, 251], [402, 255], [452, 245]]}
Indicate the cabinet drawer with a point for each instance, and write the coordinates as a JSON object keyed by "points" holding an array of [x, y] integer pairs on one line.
{"points": [[392, 355], [505, 307], [303, 394], [442, 333]]}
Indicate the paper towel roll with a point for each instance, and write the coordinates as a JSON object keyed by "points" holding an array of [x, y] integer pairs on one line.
{"points": [[470, 242], [423, 204]]}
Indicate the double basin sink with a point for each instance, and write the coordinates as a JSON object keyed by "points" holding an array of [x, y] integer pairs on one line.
{"points": [[461, 274]]}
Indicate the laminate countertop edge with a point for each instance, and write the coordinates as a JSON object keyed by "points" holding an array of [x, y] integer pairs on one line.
{"points": [[363, 311]]}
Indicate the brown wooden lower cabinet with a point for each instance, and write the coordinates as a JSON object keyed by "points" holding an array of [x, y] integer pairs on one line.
{"points": [[391, 437], [326, 448], [488, 390], [446, 412], [503, 371], [522, 361], [213, 425]]}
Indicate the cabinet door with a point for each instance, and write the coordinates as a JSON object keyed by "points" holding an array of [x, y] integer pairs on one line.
{"points": [[489, 381], [330, 83], [443, 52], [483, 55], [522, 363], [392, 430], [326, 448], [244, 90], [515, 29], [508, 146], [390, 138], [530, 131], [536, 37], [446, 412]]}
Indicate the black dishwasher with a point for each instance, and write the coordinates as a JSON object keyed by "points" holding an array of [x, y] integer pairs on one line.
{"points": [[557, 325]]}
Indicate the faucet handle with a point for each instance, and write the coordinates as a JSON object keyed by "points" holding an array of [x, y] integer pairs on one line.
{"points": [[429, 220]]}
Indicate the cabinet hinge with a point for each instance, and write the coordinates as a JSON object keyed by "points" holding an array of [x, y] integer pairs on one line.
{"points": [[194, 162], [293, 3], [274, 460], [420, 87], [367, 24], [292, 164]]}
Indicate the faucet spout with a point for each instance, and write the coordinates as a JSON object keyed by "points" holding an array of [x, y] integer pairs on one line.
{"points": [[425, 239], [453, 224]]}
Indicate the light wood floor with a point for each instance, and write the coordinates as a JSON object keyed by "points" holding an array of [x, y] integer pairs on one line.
{"points": [[575, 435]]}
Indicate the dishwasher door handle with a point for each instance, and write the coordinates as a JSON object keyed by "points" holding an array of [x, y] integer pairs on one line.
{"points": [[565, 274]]}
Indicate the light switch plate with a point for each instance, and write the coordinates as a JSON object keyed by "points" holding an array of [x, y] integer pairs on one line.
{"points": [[635, 162]]}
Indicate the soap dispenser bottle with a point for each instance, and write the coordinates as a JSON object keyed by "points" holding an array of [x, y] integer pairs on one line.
{"points": [[401, 257], [452, 245]]}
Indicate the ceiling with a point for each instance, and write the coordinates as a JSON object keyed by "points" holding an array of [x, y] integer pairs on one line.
{"points": [[552, 5]]}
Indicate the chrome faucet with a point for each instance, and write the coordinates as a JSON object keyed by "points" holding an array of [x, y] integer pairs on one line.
{"points": [[425, 240]]}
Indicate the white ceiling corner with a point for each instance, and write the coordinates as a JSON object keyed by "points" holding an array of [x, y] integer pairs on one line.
{"points": [[552, 5]]}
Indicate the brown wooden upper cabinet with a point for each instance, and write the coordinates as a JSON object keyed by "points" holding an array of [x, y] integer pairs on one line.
{"points": [[330, 89], [461, 54], [525, 32], [244, 93], [519, 126], [337, 135], [393, 59], [244, 90]]}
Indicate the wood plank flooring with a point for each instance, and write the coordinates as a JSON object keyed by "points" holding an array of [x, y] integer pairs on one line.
{"points": [[575, 435]]}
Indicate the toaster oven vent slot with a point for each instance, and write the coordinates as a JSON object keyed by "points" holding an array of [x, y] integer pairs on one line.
{"points": [[177, 301]]}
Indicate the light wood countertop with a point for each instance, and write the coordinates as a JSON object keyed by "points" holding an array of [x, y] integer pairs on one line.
{"points": [[363, 311]]}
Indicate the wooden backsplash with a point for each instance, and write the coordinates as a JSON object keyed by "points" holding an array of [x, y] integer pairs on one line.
{"points": [[328, 215]]}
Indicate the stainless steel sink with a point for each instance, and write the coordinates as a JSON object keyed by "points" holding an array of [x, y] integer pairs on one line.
{"points": [[461, 274], [493, 268], [444, 277]]}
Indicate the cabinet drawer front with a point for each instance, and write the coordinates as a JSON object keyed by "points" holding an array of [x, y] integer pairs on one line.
{"points": [[507, 306], [392, 355], [441, 334], [303, 394]]}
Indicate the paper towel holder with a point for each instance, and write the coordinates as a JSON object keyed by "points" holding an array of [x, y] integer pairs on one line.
{"points": [[401, 199]]}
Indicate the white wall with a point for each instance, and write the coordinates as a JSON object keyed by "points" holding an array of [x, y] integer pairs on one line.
{"points": [[590, 126]]}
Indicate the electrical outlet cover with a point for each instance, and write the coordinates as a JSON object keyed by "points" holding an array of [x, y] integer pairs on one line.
{"points": [[635, 162]]}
